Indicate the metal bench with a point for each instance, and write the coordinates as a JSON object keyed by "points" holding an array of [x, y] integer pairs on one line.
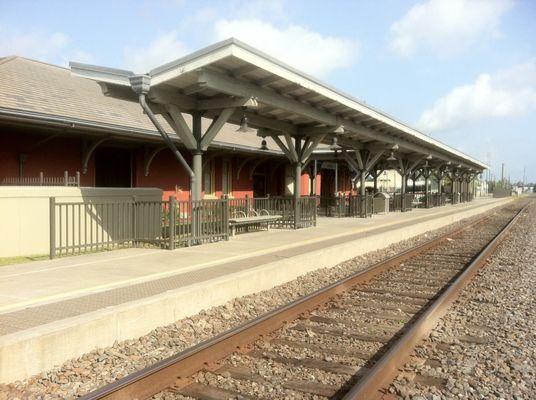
{"points": [[260, 218]]}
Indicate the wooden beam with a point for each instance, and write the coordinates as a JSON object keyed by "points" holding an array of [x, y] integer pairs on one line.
{"points": [[234, 87], [291, 147], [312, 146], [351, 162], [320, 130], [227, 102], [284, 148], [359, 159], [372, 161], [215, 128], [268, 80], [260, 121], [165, 96], [193, 89], [243, 70], [181, 128]]}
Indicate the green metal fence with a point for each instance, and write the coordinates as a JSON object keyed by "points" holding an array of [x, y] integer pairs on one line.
{"points": [[345, 206], [78, 227]]}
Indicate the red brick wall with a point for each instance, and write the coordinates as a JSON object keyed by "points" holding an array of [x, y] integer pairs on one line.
{"points": [[52, 157], [64, 153]]}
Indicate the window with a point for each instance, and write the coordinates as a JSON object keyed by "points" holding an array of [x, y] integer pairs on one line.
{"points": [[208, 179], [227, 177]]}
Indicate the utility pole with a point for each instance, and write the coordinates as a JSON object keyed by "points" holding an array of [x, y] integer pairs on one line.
{"points": [[502, 175]]}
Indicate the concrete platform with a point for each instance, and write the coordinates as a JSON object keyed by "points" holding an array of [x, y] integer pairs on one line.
{"points": [[54, 310]]}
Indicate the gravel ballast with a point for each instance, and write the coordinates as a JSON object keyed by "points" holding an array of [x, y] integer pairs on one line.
{"points": [[485, 347], [99, 367]]}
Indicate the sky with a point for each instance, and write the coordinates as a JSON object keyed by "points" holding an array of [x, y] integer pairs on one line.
{"points": [[461, 71]]}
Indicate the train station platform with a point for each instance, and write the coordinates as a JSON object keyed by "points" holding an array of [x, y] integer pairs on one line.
{"points": [[54, 310]]}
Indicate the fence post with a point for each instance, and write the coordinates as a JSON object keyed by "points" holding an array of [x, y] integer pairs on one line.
{"points": [[66, 178], [52, 226], [41, 178], [134, 222], [172, 214], [248, 205], [296, 212], [78, 178], [226, 217]]}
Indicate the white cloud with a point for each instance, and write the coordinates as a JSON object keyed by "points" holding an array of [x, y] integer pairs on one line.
{"points": [[164, 48], [447, 26], [295, 45], [55, 48], [508, 93]]}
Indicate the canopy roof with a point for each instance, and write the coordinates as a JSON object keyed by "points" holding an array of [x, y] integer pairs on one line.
{"points": [[289, 101]]}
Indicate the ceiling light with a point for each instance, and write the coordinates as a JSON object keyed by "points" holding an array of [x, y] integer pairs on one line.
{"points": [[334, 144], [244, 128], [391, 157], [263, 144]]}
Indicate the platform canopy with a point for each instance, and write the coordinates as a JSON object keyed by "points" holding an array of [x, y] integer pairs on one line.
{"points": [[231, 74]]}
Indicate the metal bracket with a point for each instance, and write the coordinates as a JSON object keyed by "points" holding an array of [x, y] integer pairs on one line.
{"points": [[149, 157], [241, 166], [255, 167], [86, 155]]}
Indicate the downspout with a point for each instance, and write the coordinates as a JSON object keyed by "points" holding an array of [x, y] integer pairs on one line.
{"points": [[141, 84]]}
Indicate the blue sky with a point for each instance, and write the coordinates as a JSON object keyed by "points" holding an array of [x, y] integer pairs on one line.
{"points": [[463, 71]]}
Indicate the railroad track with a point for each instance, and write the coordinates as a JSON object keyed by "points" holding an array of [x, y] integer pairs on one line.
{"points": [[347, 340]]}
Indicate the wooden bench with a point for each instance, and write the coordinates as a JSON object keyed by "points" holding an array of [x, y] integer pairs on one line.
{"points": [[257, 218]]}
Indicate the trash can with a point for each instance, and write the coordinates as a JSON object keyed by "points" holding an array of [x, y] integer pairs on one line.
{"points": [[381, 203]]}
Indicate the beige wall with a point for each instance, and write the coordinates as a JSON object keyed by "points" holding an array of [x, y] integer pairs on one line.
{"points": [[24, 213]]}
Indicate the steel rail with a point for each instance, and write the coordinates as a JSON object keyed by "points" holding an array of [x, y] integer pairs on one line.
{"points": [[374, 384], [155, 378]]}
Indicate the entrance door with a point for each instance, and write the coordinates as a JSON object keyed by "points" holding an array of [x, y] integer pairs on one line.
{"points": [[259, 185], [327, 187], [113, 167]]}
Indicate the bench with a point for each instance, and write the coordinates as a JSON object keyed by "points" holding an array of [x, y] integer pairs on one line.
{"points": [[257, 218]]}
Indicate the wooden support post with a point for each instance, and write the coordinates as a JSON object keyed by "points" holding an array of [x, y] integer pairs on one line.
{"points": [[315, 172], [403, 193], [197, 166], [336, 178], [297, 191]]}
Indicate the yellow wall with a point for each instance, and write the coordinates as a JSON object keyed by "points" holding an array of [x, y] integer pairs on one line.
{"points": [[24, 213]]}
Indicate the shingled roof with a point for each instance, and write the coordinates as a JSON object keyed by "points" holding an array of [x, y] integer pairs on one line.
{"points": [[42, 90]]}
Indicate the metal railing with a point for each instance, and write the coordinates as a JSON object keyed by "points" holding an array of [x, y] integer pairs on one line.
{"points": [[396, 203], [345, 206], [43, 180], [77, 227]]}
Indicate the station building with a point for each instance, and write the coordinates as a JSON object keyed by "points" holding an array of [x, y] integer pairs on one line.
{"points": [[225, 122], [53, 120]]}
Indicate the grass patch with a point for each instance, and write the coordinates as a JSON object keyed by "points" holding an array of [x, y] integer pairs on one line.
{"points": [[21, 259]]}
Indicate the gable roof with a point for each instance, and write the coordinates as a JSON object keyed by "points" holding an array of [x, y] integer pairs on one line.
{"points": [[44, 91], [287, 96]]}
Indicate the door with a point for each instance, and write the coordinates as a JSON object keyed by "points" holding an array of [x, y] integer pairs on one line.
{"points": [[113, 167]]}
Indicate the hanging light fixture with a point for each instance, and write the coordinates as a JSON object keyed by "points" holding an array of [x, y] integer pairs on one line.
{"points": [[334, 144], [392, 154], [244, 128], [264, 146], [391, 157]]}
